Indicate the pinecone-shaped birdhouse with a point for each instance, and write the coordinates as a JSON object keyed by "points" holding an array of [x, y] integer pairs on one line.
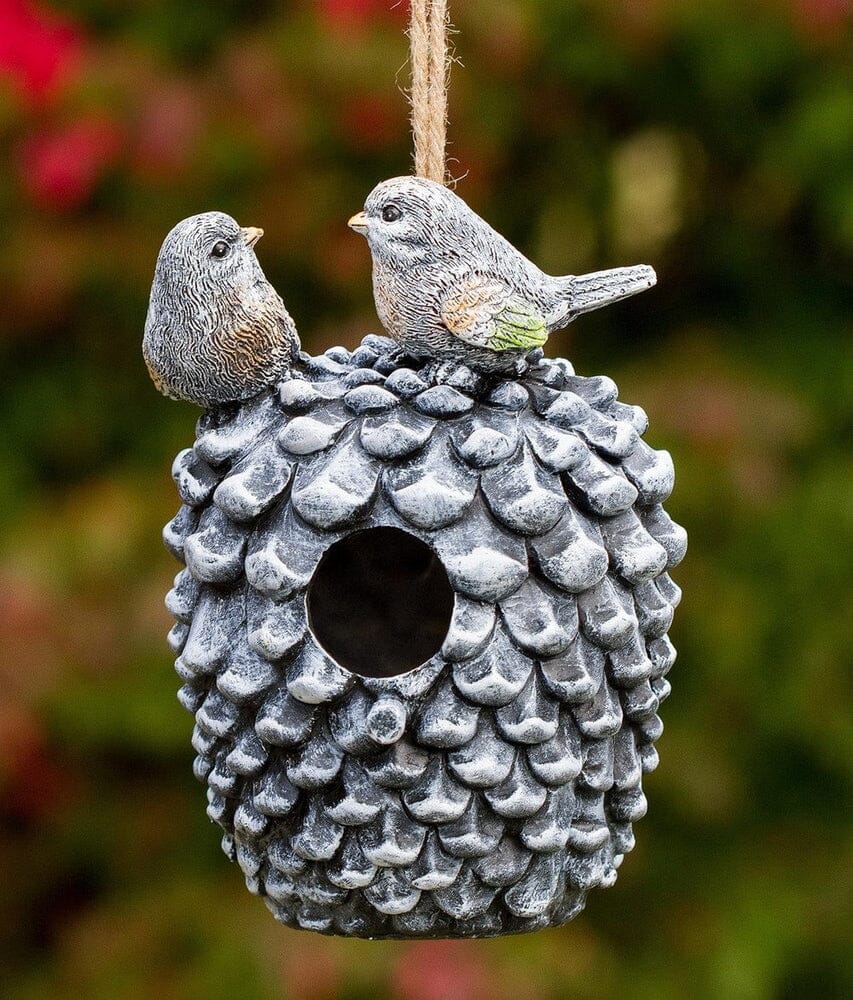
{"points": [[423, 631]]}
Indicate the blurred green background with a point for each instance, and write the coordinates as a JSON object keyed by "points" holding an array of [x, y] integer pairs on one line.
{"points": [[713, 140]]}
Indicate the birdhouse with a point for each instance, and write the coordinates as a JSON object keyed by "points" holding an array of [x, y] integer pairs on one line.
{"points": [[423, 632]]}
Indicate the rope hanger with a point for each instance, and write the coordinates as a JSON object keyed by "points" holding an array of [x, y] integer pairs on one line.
{"points": [[430, 62]]}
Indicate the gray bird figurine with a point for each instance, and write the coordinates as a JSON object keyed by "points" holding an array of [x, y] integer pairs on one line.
{"points": [[216, 330], [448, 286]]}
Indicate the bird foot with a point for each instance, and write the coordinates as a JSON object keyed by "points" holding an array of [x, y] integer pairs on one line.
{"points": [[438, 371], [455, 373]]}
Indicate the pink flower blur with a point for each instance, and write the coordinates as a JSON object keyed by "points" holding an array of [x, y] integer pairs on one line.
{"points": [[170, 123], [60, 168], [442, 970]]}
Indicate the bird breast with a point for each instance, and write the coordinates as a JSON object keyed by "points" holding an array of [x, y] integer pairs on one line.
{"points": [[388, 296]]}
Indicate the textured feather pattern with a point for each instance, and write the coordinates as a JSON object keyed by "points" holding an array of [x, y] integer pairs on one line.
{"points": [[490, 789]]}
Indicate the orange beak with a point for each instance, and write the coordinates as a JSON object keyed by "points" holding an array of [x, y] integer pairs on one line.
{"points": [[359, 223], [251, 234]]}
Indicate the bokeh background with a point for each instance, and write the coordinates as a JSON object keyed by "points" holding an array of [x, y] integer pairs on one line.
{"points": [[714, 140]]}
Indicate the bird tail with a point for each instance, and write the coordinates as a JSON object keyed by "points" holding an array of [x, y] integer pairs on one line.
{"points": [[591, 291]]}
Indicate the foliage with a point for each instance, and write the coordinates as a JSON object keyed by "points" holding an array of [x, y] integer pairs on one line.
{"points": [[714, 140]]}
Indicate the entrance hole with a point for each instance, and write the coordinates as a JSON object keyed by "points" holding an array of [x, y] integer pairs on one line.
{"points": [[380, 602]]}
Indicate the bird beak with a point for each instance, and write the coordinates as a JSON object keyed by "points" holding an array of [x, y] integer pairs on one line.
{"points": [[359, 223], [251, 234], [591, 291]]}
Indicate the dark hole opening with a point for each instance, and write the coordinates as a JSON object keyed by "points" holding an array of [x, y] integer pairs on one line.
{"points": [[380, 602]]}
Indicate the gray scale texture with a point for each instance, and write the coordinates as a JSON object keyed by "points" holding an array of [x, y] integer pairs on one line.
{"points": [[488, 790]]}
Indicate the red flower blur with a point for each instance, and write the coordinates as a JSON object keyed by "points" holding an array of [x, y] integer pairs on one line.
{"points": [[38, 49], [372, 121], [60, 168], [822, 20], [354, 13], [33, 781]]}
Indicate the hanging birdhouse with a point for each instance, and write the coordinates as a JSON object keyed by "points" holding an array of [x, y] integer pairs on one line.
{"points": [[422, 626]]}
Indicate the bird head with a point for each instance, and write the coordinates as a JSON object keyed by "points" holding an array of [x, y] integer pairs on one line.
{"points": [[208, 253], [412, 219]]}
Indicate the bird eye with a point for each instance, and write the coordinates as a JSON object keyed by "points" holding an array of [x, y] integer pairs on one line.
{"points": [[391, 213], [220, 249]]}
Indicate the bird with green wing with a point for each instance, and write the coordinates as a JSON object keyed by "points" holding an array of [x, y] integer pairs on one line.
{"points": [[449, 287]]}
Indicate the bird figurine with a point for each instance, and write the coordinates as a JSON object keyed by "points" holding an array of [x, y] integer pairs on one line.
{"points": [[216, 330], [448, 286]]}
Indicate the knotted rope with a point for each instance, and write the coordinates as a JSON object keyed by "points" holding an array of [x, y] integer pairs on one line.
{"points": [[430, 60]]}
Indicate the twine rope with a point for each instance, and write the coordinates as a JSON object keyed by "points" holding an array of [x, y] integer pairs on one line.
{"points": [[430, 60]]}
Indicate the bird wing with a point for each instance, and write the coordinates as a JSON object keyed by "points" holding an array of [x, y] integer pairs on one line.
{"points": [[484, 312]]}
